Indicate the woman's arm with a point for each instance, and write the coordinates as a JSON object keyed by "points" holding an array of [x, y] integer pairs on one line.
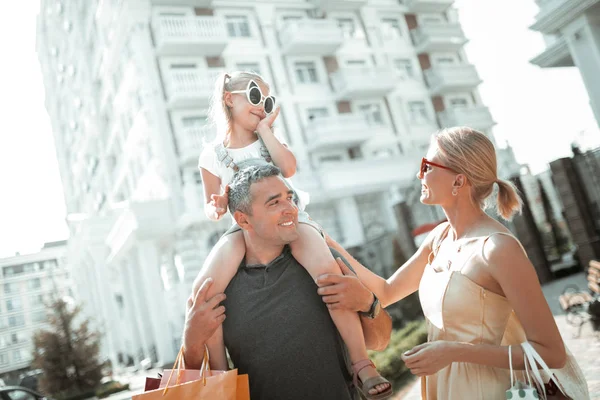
{"points": [[211, 185], [404, 281], [511, 268]]}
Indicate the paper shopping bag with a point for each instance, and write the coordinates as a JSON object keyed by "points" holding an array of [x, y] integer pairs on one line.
{"points": [[203, 384]]}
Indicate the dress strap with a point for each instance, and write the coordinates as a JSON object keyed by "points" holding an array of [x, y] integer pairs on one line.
{"points": [[437, 243], [505, 234]]}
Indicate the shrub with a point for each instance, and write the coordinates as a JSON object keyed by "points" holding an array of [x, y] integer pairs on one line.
{"points": [[388, 362]]}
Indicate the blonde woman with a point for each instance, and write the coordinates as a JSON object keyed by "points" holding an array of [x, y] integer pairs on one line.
{"points": [[244, 110], [472, 275]]}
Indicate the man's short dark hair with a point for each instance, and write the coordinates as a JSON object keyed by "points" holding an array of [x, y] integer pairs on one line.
{"points": [[240, 198]]}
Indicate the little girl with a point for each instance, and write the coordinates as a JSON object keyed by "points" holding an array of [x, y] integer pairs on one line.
{"points": [[244, 111]]}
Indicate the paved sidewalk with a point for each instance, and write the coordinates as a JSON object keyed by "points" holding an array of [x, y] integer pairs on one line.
{"points": [[585, 348]]}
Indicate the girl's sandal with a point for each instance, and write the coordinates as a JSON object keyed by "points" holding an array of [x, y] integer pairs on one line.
{"points": [[370, 383]]}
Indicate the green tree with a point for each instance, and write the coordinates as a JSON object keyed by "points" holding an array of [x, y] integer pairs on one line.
{"points": [[67, 352]]}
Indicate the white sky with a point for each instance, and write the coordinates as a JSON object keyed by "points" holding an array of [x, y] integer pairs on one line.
{"points": [[534, 108]]}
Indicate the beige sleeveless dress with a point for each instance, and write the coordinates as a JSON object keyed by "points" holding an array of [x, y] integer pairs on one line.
{"points": [[458, 309]]}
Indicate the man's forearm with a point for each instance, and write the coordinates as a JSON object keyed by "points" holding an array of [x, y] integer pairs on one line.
{"points": [[193, 354], [377, 331]]}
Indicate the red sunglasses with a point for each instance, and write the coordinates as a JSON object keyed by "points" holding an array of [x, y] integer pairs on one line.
{"points": [[425, 164]]}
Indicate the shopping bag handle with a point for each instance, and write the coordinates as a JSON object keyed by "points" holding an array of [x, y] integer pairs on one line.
{"points": [[178, 364], [205, 368], [532, 357]]}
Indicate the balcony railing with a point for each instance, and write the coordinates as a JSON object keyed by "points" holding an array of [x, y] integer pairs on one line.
{"points": [[340, 131], [190, 87], [352, 82], [311, 36], [340, 5], [199, 35], [478, 117], [355, 177], [452, 78], [428, 6], [438, 37], [190, 141]]}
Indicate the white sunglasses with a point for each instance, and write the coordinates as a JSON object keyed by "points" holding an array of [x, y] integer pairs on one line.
{"points": [[255, 96]]}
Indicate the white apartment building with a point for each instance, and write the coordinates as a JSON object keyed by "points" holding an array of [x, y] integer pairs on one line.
{"points": [[27, 283], [572, 34], [128, 84]]}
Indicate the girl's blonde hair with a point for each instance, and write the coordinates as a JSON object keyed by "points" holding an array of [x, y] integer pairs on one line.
{"points": [[471, 153], [219, 113]]}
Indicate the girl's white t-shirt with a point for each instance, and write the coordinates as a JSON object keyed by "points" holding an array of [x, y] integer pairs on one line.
{"points": [[210, 162]]}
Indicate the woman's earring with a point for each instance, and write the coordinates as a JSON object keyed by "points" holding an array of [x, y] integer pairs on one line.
{"points": [[454, 192]]}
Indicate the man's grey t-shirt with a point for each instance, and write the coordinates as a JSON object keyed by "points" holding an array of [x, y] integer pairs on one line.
{"points": [[280, 333]]}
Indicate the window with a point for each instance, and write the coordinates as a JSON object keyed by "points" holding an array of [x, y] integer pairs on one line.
{"points": [[38, 316], [35, 283], [3, 359], [404, 68], [355, 153], [36, 300], [319, 112], [331, 158], [348, 27], [9, 287], [372, 113], [417, 112], [390, 28], [250, 67], [445, 60], [356, 63], [306, 72], [459, 103], [13, 304], [16, 320], [238, 26], [183, 66], [431, 20]]}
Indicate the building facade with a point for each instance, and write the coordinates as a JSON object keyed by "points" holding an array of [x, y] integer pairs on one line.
{"points": [[27, 284], [572, 35], [361, 84]]}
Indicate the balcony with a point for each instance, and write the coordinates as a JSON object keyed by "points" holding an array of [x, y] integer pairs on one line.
{"points": [[556, 54], [189, 87], [190, 142], [351, 178], [339, 5], [139, 221], [428, 6], [192, 3], [478, 117], [193, 196], [329, 133], [452, 78], [438, 37], [201, 36], [555, 14], [311, 36], [351, 83]]}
